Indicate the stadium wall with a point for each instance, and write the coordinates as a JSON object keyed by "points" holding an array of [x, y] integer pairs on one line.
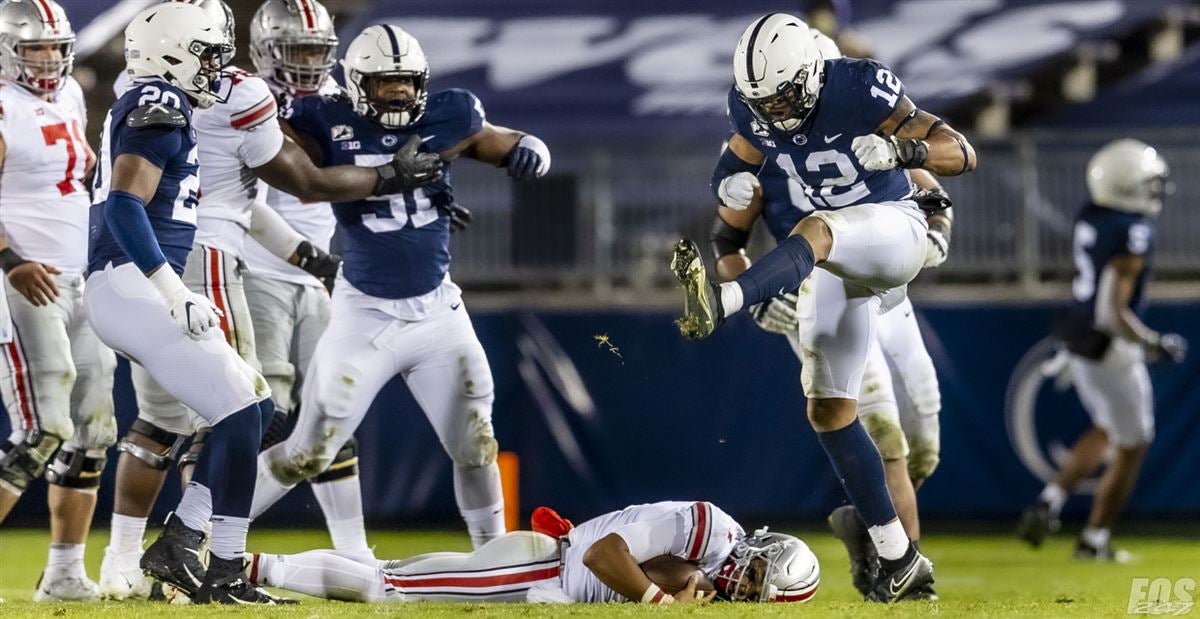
{"points": [[723, 419]]}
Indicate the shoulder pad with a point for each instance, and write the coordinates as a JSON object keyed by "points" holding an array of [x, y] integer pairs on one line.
{"points": [[156, 114]]}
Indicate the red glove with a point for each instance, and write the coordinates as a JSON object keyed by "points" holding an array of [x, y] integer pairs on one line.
{"points": [[547, 522]]}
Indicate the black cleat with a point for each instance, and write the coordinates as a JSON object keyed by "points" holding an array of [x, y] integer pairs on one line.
{"points": [[174, 558], [226, 583], [897, 580], [924, 593], [1035, 524], [864, 562], [702, 310], [1099, 554]]}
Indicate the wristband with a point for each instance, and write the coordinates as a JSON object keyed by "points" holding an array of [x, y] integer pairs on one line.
{"points": [[10, 259], [655, 595]]}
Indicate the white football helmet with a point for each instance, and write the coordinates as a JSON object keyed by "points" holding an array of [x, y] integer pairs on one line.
{"points": [[1128, 175], [829, 50], [35, 23], [293, 42], [386, 51], [179, 43], [769, 567], [777, 70], [222, 16]]}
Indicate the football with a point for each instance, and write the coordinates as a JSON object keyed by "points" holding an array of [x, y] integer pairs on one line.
{"points": [[671, 574]]}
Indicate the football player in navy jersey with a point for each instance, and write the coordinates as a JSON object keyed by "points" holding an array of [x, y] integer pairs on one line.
{"points": [[395, 309], [845, 130], [1107, 345], [142, 226]]}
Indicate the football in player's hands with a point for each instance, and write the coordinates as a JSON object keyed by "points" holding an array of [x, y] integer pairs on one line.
{"points": [[671, 574]]}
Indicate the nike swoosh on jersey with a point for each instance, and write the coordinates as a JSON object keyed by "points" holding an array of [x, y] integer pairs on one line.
{"points": [[831, 138]]}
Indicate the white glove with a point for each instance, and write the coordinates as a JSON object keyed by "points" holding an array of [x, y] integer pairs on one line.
{"points": [[195, 314], [777, 315], [736, 191], [937, 249], [874, 152]]}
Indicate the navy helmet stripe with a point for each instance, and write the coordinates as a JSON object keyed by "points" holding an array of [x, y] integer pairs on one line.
{"points": [[750, 46], [392, 37]]}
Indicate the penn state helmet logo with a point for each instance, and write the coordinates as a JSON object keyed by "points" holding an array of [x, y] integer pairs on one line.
{"points": [[799, 139], [389, 140]]}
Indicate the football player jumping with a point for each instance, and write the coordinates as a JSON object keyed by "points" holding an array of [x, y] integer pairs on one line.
{"points": [[57, 376], [1107, 344], [395, 309], [844, 129], [238, 132], [899, 400], [625, 555]]}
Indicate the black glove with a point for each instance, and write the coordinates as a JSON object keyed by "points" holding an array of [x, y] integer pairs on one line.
{"points": [[932, 200], [319, 263], [408, 170], [1170, 347], [460, 216]]}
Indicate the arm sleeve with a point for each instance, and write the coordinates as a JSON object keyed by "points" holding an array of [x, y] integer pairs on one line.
{"points": [[256, 121], [126, 216], [272, 232]]}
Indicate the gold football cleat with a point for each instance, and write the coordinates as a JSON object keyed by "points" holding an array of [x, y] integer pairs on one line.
{"points": [[700, 303]]}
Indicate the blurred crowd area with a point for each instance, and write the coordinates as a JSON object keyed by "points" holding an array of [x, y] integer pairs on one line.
{"points": [[629, 96]]}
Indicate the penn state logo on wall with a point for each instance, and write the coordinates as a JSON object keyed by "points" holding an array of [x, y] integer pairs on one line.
{"points": [[1042, 413]]}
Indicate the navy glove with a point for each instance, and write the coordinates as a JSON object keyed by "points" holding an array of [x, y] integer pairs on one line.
{"points": [[530, 158]]}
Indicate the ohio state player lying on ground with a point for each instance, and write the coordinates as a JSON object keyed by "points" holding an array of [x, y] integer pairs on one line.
{"points": [[661, 553]]}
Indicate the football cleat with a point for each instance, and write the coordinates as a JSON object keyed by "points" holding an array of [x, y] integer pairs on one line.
{"points": [[66, 584], [864, 562], [174, 558], [121, 577], [924, 593], [1035, 524], [702, 310], [225, 583], [1100, 554], [910, 574]]}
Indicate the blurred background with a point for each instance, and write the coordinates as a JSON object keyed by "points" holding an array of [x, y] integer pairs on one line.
{"points": [[630, 97]]}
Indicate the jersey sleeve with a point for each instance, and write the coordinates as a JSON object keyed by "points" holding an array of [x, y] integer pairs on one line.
{"points": [[461, 111], [691, 532], [256, 119], [741, 121], [876, 92], [156, 144], [1139, 236]]}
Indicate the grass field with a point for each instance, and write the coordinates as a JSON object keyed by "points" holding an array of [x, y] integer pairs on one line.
{"points": [[978, 575]]}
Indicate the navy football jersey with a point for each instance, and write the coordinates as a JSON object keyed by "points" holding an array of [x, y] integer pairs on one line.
{"points": [[1100, 235], [784, 202], [172, 210], [397, 246], [856, 97]]}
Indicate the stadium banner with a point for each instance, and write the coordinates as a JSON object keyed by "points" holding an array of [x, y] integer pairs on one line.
{"points": [[590, 67], [607, 408]]}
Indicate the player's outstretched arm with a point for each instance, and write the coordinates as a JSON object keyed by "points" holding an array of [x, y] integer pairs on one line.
{"points": [[523, 155], [912, 138], [292, 171], [610, 560]]}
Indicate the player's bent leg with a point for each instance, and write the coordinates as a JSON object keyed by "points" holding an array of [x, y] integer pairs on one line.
{"points": [[21, 461], [502, 570], [880, 415], [324, 574], [273, 314], [454, 388], [918, 394], [339, 494]]}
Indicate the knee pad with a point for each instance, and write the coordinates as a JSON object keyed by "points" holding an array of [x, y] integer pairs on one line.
{"points": [[279, 429], [291, 469], [345, 464], [170, 442], [886, 433], [77, 469], [23, 462], [192, 454], [478, 447], [923, 459]]}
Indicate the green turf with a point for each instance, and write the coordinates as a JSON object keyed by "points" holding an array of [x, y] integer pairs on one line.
{"points": [[978, 576]]}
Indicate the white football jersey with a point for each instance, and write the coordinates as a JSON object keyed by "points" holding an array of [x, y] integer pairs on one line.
{"points": [[696, 531], [43, 199], [313, 220], [234, 136]]}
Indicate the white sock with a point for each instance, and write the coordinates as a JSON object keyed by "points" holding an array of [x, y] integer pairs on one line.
{"points": [[341, 502], [891, 542], [1096, 538], [128, 533], [267, 489], [1055, 497], [195, 508], [65, 555], [485, 523], [229, 536], [731, 298]]}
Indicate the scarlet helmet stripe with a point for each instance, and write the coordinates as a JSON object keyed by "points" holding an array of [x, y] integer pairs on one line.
{"points": [[310, 18], [47, 13]]}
